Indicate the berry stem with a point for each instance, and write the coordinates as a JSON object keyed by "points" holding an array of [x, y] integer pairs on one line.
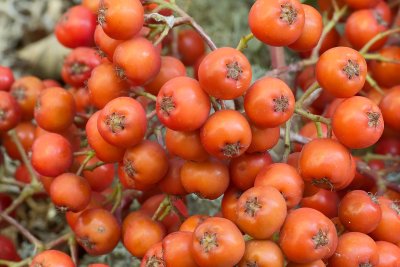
{"points": [[25, 160], [24, 262], [188, 19], [379, 57], [73, 249], [378, 37], [27, 192], [243, 43], [182, 217], [287, 141], [337, 15], [163, 34], [372, 156], [11, 181], [89, 156], [145, 94], [58, 241], [310, 90], [294, 67], [25, 232], [319, 129], [118, 197], [82, 153], [295, 137], [163, 205], [151, 114], [374, 84], [94, 166], [313, 117]]}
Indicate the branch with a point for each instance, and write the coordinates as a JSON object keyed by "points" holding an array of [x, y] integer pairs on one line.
{"points": [[73, 249], [244, 41], [294, 67], [25, 160], [287, 141], [118, 197], [378, 37], [186, 19], [277, 55], [60, 240], [89, 156], [327, 28], [25, 232], [295, 137]]}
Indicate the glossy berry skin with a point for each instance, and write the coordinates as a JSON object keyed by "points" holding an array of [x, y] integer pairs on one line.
{"points": [[122, 122], [171, 67], [190, 46], [344, 66], [78, 65], [217, 242], [359, 211], [52, 258], [244, 169], [358, 122], [101, 177], [226, 134], [137, 60], [121, 19], [389, 226], [285, 178], [104, 85], [26, 134], [51, 154], [269, 108], [208, 179], [10, 112], [177, 247], [8, 250], [145, 163], [6, 78], [26, 90], [182, 105], [389, 254], [261, 211], [311, 32], [368, 22], [186, 145], [390, 106], [76, 27], [281, 16], [104, 150], [312, 231], [355, 249], [386, 73], [327, 164], [154, 256], [97, 231], [105, 44], [361, 4], [140, 233], [262, 253], [55, 109], [61, 192], [225, 73]]}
